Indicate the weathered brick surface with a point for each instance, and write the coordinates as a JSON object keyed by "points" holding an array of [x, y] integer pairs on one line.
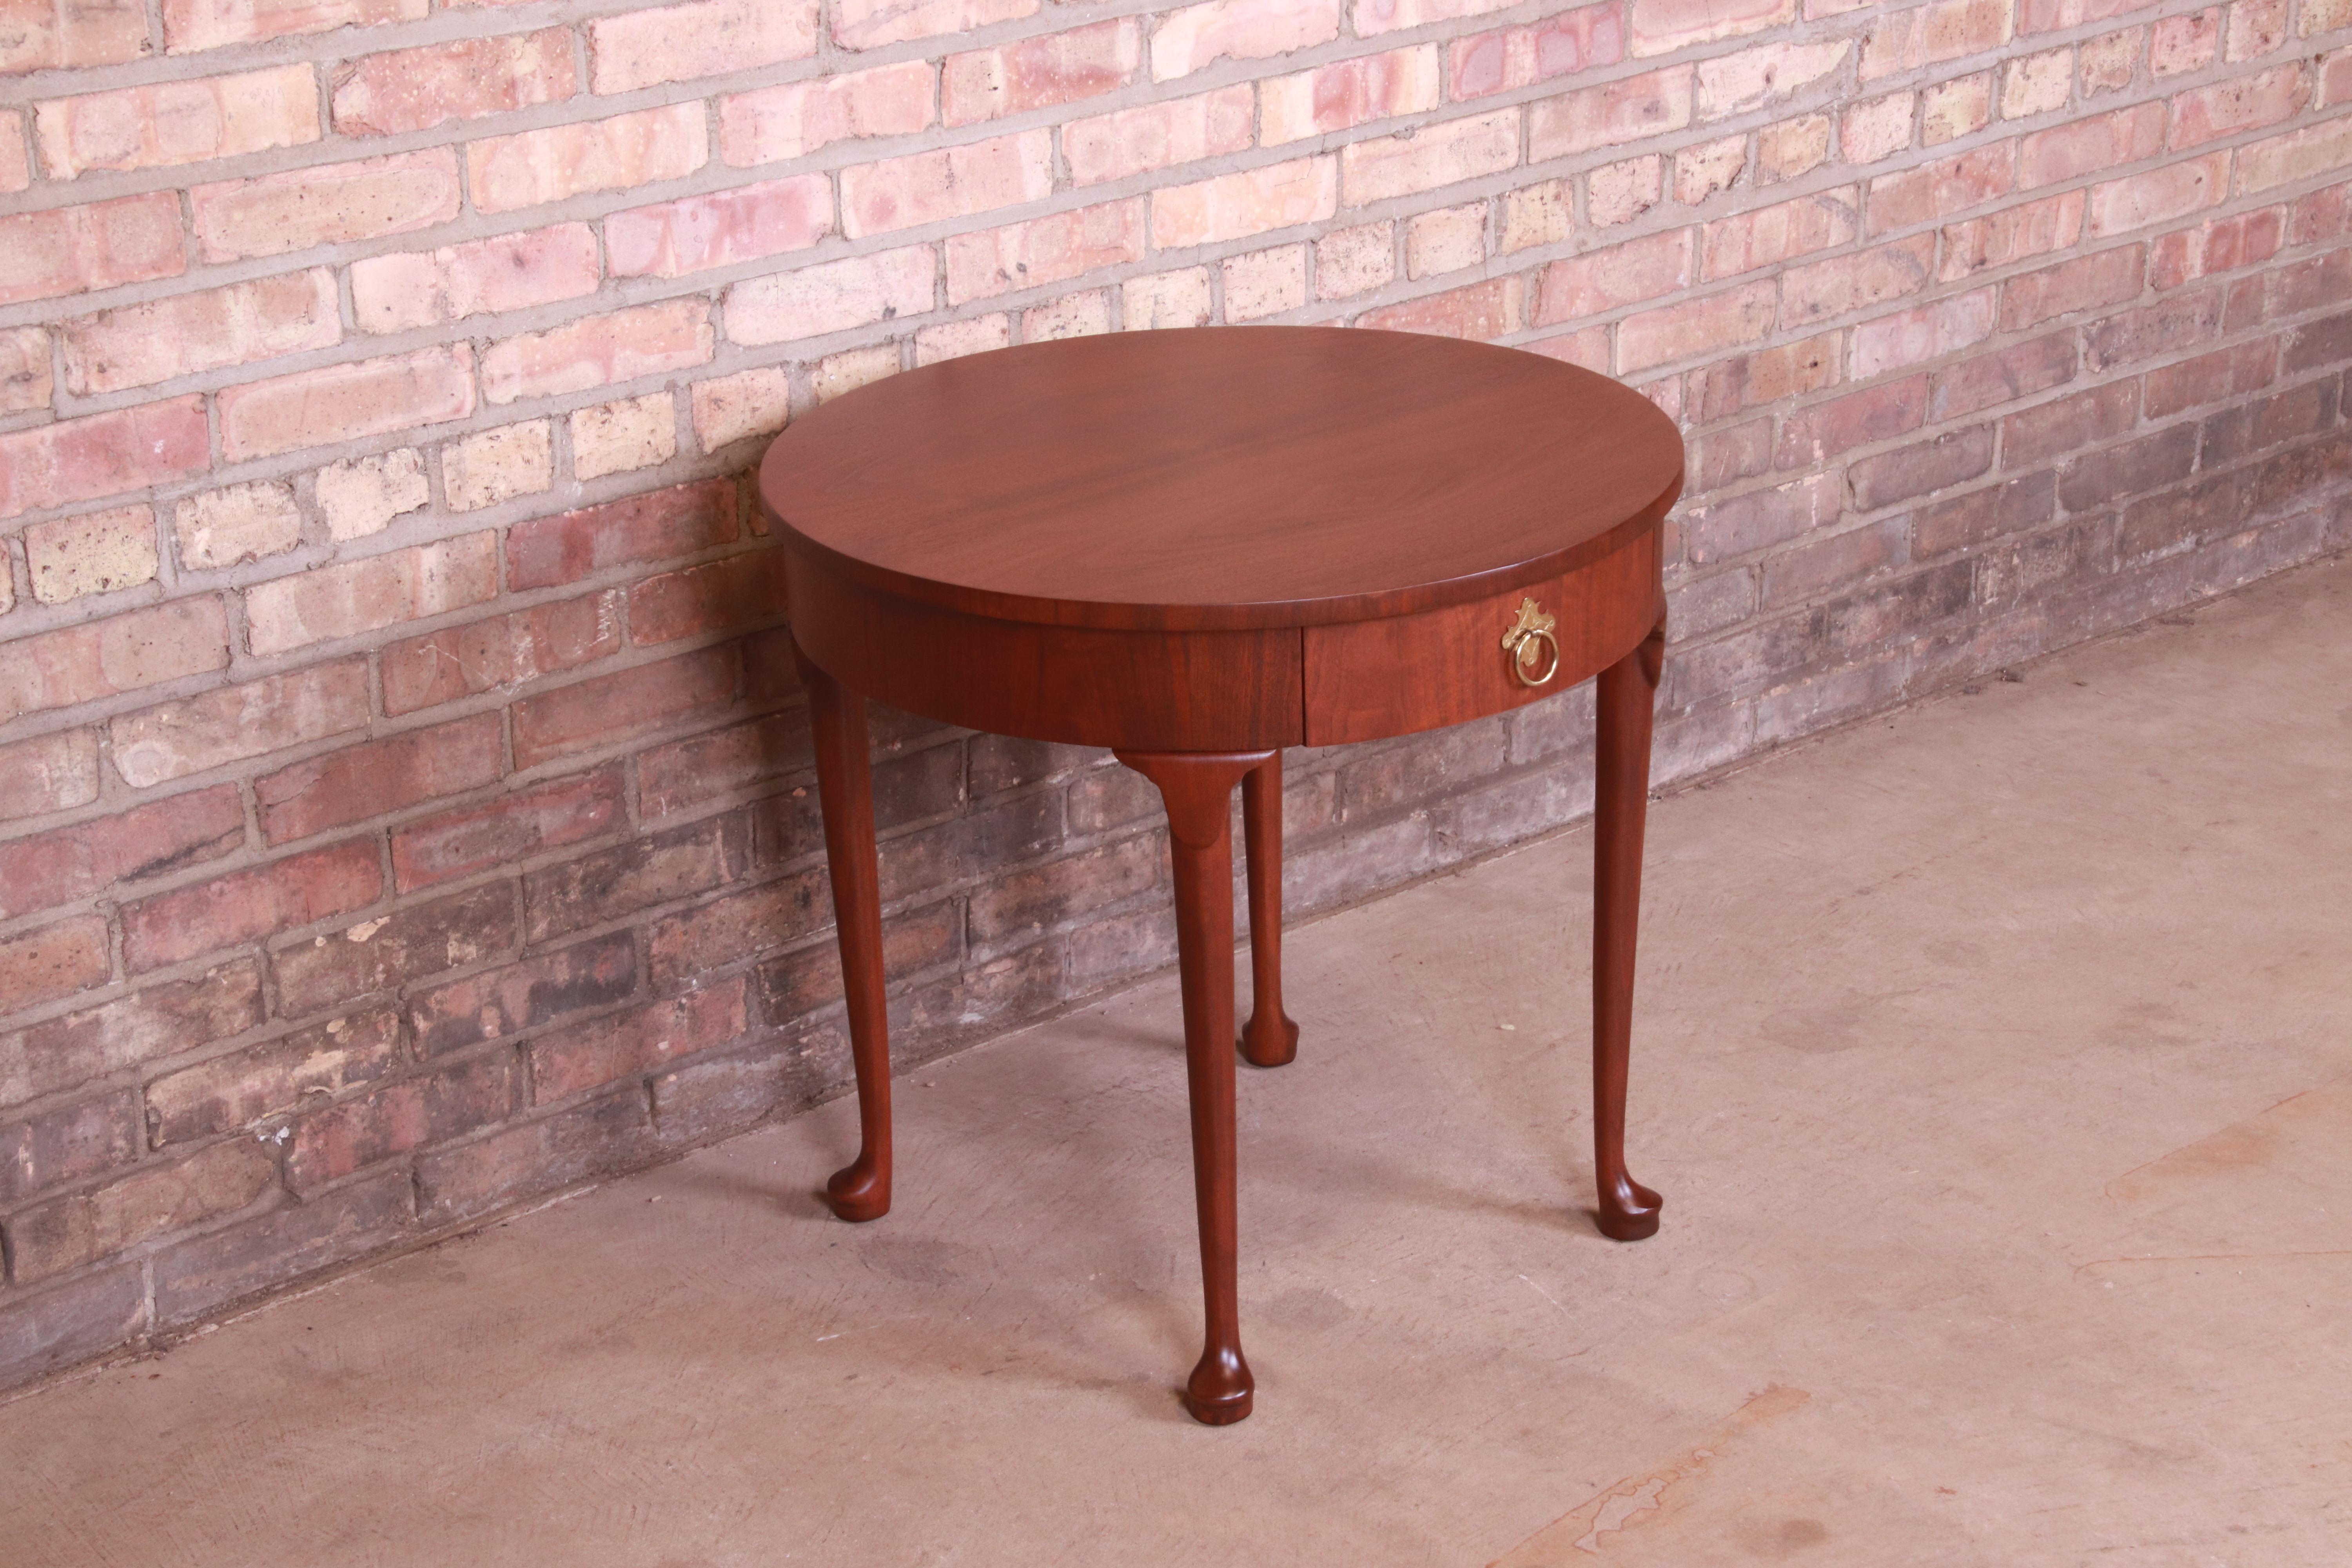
{"points": [[380, 384]]}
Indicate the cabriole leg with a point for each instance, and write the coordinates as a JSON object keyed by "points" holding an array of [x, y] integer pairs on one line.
{"points": [[1271, 1039], [1628, 693]]}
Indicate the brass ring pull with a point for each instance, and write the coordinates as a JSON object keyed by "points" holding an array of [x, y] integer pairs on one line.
{"points": [[1531, 627]]}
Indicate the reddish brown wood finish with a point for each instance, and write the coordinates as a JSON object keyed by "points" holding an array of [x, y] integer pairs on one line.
{"points": [[1270, 1040], [1198, 547]]}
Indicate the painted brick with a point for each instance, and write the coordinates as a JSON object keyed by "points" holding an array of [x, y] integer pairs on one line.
{"points": [[406, 945], [1931, 33], [1844, 283], [85, 1227], [273, 1078], [1626, 274], [179, 1016], [190, 25], [186, 334], [720, 229], [494, 466], [362, 495], [25, 378], [407, 289], [500, 1002], [704, 38], [656, 869], [48, 773], [1231, 206], [75, 34], [832, 296], [234, 722], [617, 438], [56, 867], [377, 777], [329, 603], [1608, 116], [772, 124], [509, 173], [1386, 167], [1767, 236], [68, 1145], [952, 183], [1195, 36], [2106, 277], [1040, 72], [169, 123], [1344, 94], [347, 402], [328, 204], [395, 1118], [2159, 195], [731, 408], [1736, 316], [1585, 39], [72, 250], [244, 906], [2096, 146], [599, 350], [2013, 233], [98, 553], [1925, 332], [1768, 73], [681, 521], [511, 828], [108, 657], [1157, 135], [870, 24], [608, 708]]}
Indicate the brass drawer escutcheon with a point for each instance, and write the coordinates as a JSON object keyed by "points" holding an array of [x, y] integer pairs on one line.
{"points": [[1531, 628]]}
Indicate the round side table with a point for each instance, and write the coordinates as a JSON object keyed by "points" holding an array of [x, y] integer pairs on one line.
{"points": [[1199, 547]]}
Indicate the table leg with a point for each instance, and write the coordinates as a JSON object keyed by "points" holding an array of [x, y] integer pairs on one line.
{"points": [[1198, 791], [1270, 1040], [1628, 693], [844, 789]]}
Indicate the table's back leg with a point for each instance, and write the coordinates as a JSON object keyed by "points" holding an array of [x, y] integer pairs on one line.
{"points": [[1628, 693], [1271, 1039], [1198, 791], [844, 787]]}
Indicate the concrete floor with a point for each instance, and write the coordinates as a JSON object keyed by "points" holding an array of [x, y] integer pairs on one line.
{"points": [[1993, 1058]]}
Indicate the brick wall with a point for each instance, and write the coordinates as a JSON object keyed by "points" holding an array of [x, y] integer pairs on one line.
{"points": [[404, 801]]}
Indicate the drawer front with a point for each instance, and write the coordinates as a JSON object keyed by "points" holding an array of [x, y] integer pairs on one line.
{"points": [[1372, 679]]}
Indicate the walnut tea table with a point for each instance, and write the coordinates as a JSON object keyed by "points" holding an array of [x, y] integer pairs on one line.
{"points": [[1197, 548]]}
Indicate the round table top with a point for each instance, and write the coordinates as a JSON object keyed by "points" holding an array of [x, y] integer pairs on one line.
{"points": [[1222, 477]]}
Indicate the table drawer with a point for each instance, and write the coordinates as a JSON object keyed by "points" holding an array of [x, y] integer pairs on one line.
{"points": [[1370, 680]]}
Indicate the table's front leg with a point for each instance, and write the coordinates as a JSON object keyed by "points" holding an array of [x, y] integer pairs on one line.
{"points": [[844, 789], [1270, 1040], [1628, 694], [1198, 791]]}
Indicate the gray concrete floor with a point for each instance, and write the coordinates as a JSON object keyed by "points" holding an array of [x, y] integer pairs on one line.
{"points": [[1993, 1057]]}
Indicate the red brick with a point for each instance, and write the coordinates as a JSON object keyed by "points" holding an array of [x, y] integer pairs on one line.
{"points": [[1811, 436], [48, 773], [599, 350], [572, 1060], [416, 89], [377, 777], [655, 868], [328, 204], [75, 34], [79, 1047], [1766, 236], [233, 722], [2321, 149], [497, 1003], [102, 455], [70, 863], [1039, 72], [951, 182], [720, 229], [1482, 311], [1157, 135], [108, 657], [502, 651], [1760, 518], [1385, 167], [190, 25], [2049, 15], [244, 906], [608, 708], [614, 1134], [506, 173], [2067, 424], [835, 295], [1938, 190], [200, 1276], [510, 828], [2129, 467], [705, 38], [2180, 44], [1855, 282], [720, 595], [1769, 73], [870, 24], [1662, 27], [241, 1087], [1372, 17], [1231, 207], [1922, 468], [2272, 421], [1739, 382], [1196, 36], [2107, 277], [680, 946], [2205, 114], [391, 950], [684, 520], [798, 983], [1586, 38], [1996, 511], [140, 345], [347, 402], [1723, 457], [1694, 327], [2012, 234], [1931, 33], [2222, 244], [1809, 571], [406, 289], [2096, 146], [1924, 332], [431, 1108], [174, 122], [72, 250], [1603, 280], [68, 1145], [89, 1226], [686, 773], [1043, 251], [56, 961], [2176, 321], [328, 603], [2159, 195], [25, 382], [1987, 380], [2210, 378], [2316, 283], [792, 119], [1607, 116]]}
